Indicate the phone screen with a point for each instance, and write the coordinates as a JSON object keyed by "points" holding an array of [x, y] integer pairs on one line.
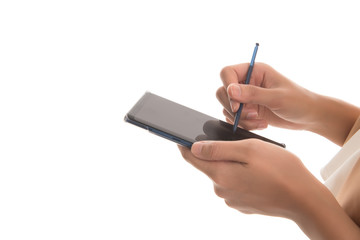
{"points": [[182, 124]]}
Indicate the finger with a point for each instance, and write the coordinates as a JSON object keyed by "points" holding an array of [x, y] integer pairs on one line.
{"points": [[224, 99], [228, 114], [234, 74], [254, 124], [229, 105], [221, 150], [204, 166], [248, 121], [247, 114], [229, 121], [221, 95], [253, 94]]}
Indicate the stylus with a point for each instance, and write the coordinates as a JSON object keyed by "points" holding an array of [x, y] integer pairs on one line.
{"points": [[238, 113]]}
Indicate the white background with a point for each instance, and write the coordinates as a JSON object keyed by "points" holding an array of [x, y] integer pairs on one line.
{"points": [[70, 168]]}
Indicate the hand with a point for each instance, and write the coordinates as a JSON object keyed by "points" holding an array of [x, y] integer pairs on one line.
{"points": [[258, 177], [270, 98], [267, 182]]}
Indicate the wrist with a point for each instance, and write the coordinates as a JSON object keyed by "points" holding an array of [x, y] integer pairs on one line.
{"points": [[332, 118]]}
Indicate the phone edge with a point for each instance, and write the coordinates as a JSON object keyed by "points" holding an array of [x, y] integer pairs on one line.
{"points": [[158, 132]]}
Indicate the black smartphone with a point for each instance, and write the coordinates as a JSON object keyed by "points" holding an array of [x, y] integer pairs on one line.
{"points": [[181, 124]]}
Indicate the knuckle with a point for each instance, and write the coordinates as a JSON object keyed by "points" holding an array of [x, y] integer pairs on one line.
{"points": [[215, 177], [226, 72], [262, 65], [210, 151], [245, 211], [219, 191], [249, 93], [250, 146], [184, 153], [220, 176], [251, 90], [228, 114], [214, 151], [250, 143], [228, 203], [221, 94]]}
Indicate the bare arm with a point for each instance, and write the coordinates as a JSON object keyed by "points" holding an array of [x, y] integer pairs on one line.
{"points": [[321, 217], [333, 118], [271, 98], [271, 182], [349, 196]]}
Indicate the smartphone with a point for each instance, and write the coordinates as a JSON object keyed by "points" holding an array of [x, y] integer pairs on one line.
{"points": [[181, 124]]}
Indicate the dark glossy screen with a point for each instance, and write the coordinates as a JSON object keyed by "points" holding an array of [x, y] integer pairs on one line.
{"points": [[183, 122]]}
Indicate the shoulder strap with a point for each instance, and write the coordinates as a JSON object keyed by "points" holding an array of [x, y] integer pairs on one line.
{"points": [[354, 129]]}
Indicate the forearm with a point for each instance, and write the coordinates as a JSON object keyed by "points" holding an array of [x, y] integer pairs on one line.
{"points": [[321, 217], [332, 118]]}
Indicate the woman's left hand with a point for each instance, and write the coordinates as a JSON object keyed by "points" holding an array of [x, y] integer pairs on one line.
{"points": [[253, 176]]}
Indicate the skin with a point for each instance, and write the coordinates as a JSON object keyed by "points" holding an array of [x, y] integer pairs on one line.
{"points": [[274, 181], [265, 104]]}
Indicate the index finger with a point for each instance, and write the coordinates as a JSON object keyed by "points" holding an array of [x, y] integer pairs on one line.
{"points": [[234, 74]]}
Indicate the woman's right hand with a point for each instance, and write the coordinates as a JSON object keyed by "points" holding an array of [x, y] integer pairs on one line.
{"points": [[270, 98]]}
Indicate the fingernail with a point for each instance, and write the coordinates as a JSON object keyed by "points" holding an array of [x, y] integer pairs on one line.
{"points": [[197, 148], [252, 115], [234, 90], [202, 149], [262, 126], [234, 105]]}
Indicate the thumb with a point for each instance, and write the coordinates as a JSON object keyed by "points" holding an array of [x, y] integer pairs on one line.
{"points": [[252, 94], [219, 150]]}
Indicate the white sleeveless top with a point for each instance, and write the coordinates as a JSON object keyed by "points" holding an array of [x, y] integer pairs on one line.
{"points": [[339, 168]]}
